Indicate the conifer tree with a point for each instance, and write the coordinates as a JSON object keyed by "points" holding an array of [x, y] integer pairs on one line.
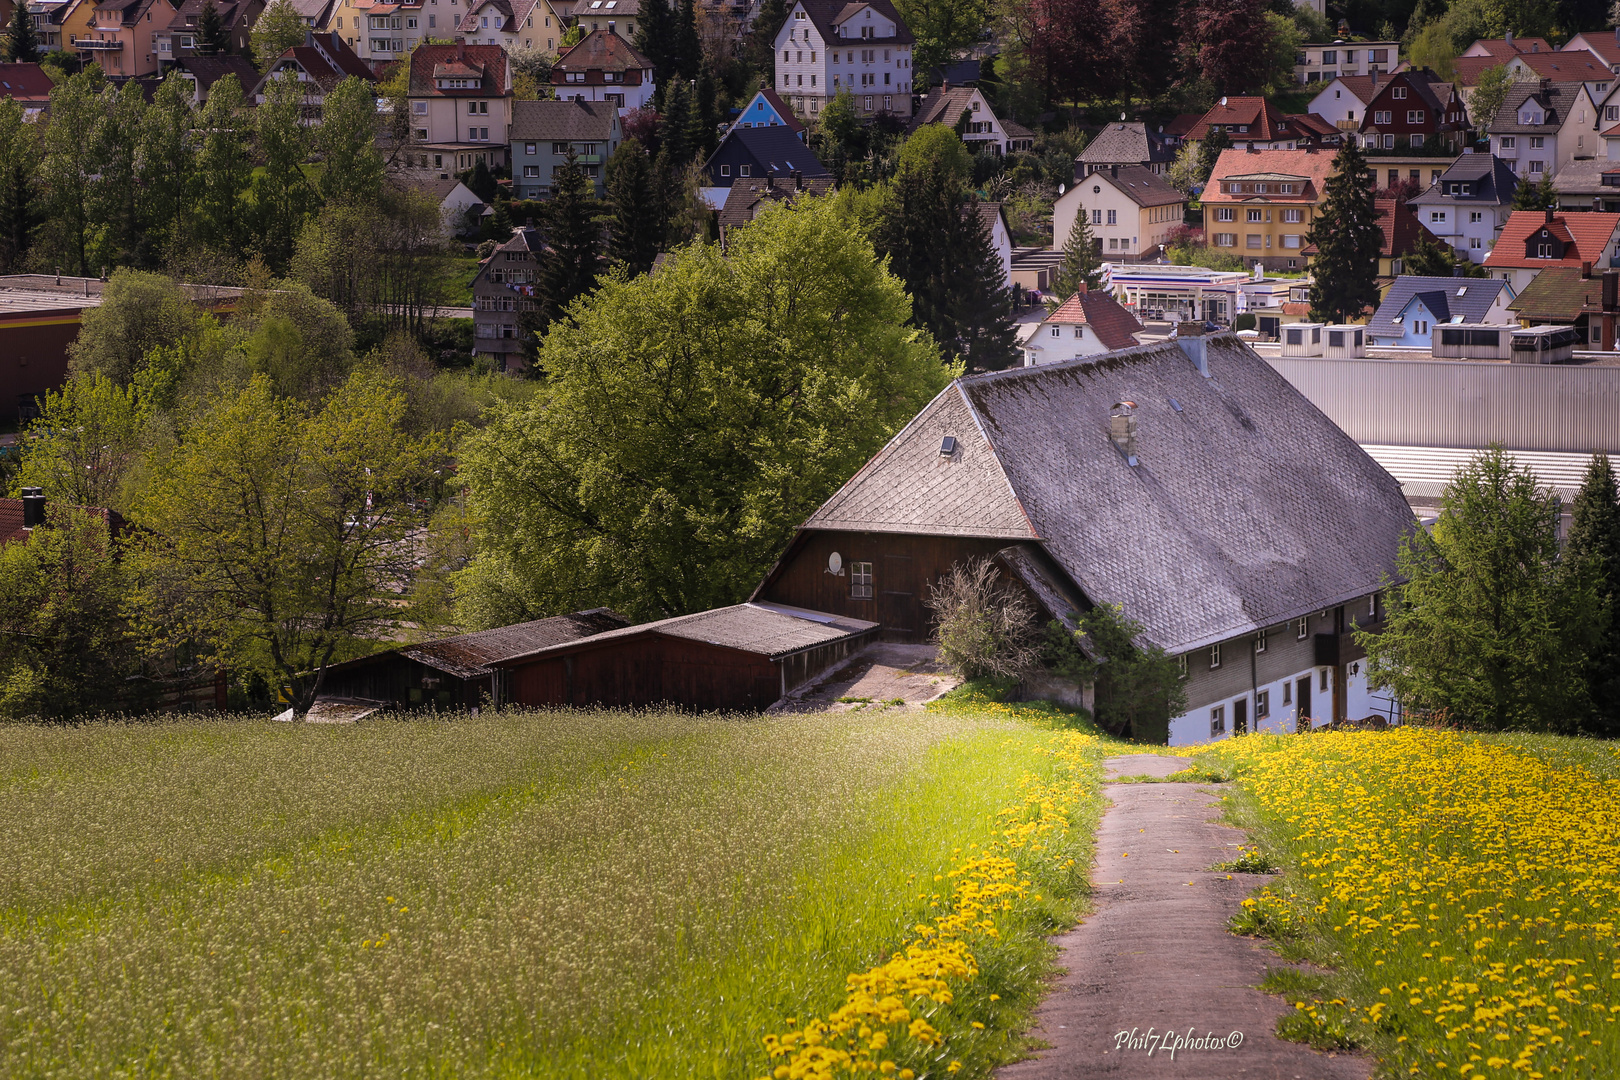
{"points": [[19, 197], [653, 40], [762, 39], [22, 44], [1209, 152], [212, 38], [634, 225], [675, 128], [1348, 240], [1082, 262], [570, 268], [703, 129], [1541, 196], [982, 304], [1594, 545], [686, 46]]}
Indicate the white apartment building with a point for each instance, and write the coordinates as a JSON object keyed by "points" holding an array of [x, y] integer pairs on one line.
{"points": [[825, 46], [1328, 61]]}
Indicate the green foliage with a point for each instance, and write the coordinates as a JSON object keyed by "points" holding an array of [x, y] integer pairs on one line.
{"points": [[1593, 549], [1209, 152], [761, 47], [225, 166], [20, 199], [300, 343], [635, 231], [86, 443], [278, 28], [1432, 48], [64, 650], [352, 172], [1431, 258], [1250, 860], [139, 311], [1348, 240], [1139, 686], [277, 537], [570, 269], [1489, 93], [1082, 261], [1187, 170], [21, 44], [984, 627], [282, 193], [1539, 196], [742, 389], [936, 147], [212, 38], [943, 28], [1486, 620]]}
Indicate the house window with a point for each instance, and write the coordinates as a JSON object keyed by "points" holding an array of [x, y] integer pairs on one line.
{"points": [[1476, 216], [1214, 657], [1286, 189], [725, 170], [1288, 692], [1323, 683], [1223, 213], [529, 149], [1096, 217], [744, 170], [1399, 93], [1543, 251], [1225, 239], [560, 149], [1303, 627], [860, 580], [1181, 665], [1509, 142], [1381, 116], [1417, 141], [419, 108], [1414, 116], [1293, 217], [1537, 142], [531, 171], [1257, 215], [1437, 215], [1260, 642], [1113, 217], [1217, 721], [1474, 243], [1254, 240], [1372, 607], [1262, 704], [1536, 166]]}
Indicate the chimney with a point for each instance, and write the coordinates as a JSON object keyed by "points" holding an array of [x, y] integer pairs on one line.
{"points": [[33, 500], [1113, 171], [1509, 39], [1083, 289], [1549, 215], [798, 180], [1597, 204], [1190, 336], [461, 48], [1586, 271], [1122, 429], [1611, 290], [1456, 271]]}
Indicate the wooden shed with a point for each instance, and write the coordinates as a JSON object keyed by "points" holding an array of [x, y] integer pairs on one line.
{"points": [[455, 672], [739, 658]]}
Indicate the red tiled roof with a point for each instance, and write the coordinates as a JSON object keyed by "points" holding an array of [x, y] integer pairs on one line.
{"points": [[1468, 69], [1262, 118], [1311, 124], [25, 82], [1400, 226], [600, 50], [1601, 43], [1502, 49], [1296, 307], [1315, 166], [1183, 123], [1579, 66], [1100, 311], [484, 62], [1589, 233]]}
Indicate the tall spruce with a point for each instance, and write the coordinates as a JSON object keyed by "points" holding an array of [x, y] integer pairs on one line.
{"points": [[675, 125], [22, 44], [982, 306], [1594, 546], [570, 267], [1082, 261], [1348, 240], [761, 49], [635, 225], [19, 197], [1539, 196], [704, 126], [654, 38], [687, 47], [212, 37]]}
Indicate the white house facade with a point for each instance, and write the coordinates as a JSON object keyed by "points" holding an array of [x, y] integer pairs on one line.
{"points": [[824, 47]]}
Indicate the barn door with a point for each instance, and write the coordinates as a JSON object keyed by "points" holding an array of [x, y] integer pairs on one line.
{"points": [[1302, 698], [897, 604]]}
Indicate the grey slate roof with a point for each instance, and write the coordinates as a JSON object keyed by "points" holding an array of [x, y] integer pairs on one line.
{"points": [[1490, 178], [1124, 143], [468, 656], [771, 630], [564, 121], [1248, 507], [1585, 177], [1441, 296], [1141, 185], [1556, 100]]}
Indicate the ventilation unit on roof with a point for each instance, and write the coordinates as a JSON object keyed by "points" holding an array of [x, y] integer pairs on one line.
{"points": [[947, 446]]}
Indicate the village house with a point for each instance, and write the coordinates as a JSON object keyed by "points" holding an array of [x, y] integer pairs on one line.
{"points": [[1343, 102], [382, 31], [1254, 123], [1584, 298], [994, 216], [1327, 61], [1562, 66], [178, 40], [1415, 305], [1086, 324], [1132, 211], [1125, 144], [1468, 205], [319, 64], [511, 24], [313, 12], [757, 153], [202, 72], [617, 15], [544, 133], [604, 67], [1413, 110], [1592, 184], [1605, 45], [460, 97], [827, 45], [745, 199], [502, 289], [767, 109], [122, 36], [460, 209], [969, 111], [1542, 126], [1534, 240], [1165, 479], [1402, 231], [1260, 204], [28, 86]]}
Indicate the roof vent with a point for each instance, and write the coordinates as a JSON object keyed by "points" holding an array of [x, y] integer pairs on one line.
{"points": [[33, 507], [1122, 429], [947, 446]]}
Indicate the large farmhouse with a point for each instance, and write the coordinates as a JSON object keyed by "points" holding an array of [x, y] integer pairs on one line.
{"points": [[1185, 481]]}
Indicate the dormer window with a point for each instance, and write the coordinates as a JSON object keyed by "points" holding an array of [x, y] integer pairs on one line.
{"points": [[1398, 93]]}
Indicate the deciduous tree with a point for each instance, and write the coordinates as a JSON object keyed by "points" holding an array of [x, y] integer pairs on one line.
{"points": [[115, 190], [1484, 620], [170, 181], [690, 420], [279, 538], [282, 193], [225, 166], [86, 443], [278, 28], [1489, 94], [352, 167], [20, 198], [942, 29], [1348, 240], [139, 311]]}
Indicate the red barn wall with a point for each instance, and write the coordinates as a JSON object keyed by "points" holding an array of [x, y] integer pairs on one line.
{"points": [[650, 670], [903, 566]]}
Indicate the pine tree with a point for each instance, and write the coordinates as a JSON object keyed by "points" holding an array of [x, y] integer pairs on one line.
{"points": [[687, 48], [703, 131], [653, 40], [212, 38], [570, 268], [1594, 546], [634, 225], [982, 304], [1348, 240], [762, 39], [1082, 262], [22, 44], [1528, 196], [675, 127]]}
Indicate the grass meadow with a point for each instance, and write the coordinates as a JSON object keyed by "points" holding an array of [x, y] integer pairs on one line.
{"points": [[1458, 892], [559, 894]]}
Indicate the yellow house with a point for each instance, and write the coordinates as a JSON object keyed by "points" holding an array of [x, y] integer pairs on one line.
{"points": [[1259, 204]]}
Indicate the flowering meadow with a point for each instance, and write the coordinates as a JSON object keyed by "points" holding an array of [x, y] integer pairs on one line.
{"points": [[566, 894], [1463, 891]]}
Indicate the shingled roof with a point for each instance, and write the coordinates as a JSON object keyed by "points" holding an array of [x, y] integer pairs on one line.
{"points": [[1466, 300], [1122, 143], [828, 15], [1114, 326], [1247, 508], [467, 656], [563, 121], [772, 630]]}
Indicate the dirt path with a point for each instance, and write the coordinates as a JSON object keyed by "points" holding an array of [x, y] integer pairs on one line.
{"points": [[885, 674], [1155, 957]]}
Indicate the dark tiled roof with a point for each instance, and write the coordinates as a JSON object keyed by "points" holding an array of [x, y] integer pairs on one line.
{"points": [[827, 13], [563, 120], [1143, 186], [1100, 311], [25, 82], [1123, 143], [231, 12], [1441, 296], [943, 106], [468, 655], [1585, 177], [776, 149], [1559, 295], [208, 70], [763, 629], [1555, 101], [1400, 226], [1491, 178], [1248, 507], [957, 73], [744, 197], [600, 50]]}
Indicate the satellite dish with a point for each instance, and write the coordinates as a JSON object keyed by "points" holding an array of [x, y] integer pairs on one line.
{"points": [[1062, 188], [835, 563]]}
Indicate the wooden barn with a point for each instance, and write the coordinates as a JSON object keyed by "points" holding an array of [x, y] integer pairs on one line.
{"points": [[739, 658], [454, 672]]}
